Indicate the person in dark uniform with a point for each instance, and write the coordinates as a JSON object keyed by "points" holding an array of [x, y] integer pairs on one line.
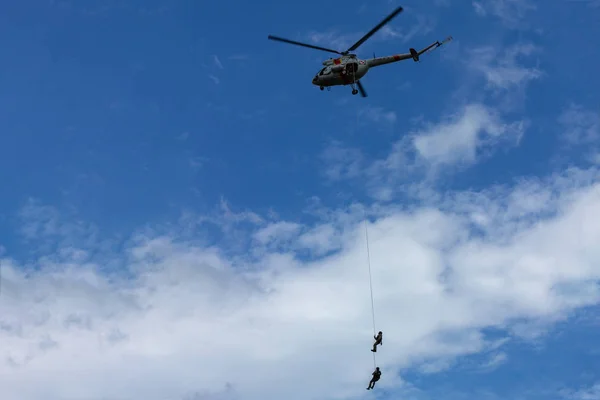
{"points": [[376, 376], [378, 340]]}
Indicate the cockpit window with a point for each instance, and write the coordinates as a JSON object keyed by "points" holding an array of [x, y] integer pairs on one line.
{"points": [[325, 71]]}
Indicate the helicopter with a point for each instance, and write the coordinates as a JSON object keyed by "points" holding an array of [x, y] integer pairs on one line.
{"points": [[349, 69]]}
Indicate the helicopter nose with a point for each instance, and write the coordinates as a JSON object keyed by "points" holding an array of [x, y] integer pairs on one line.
{"points": [[315, 80]]}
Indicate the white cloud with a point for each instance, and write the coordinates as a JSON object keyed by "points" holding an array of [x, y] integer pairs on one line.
{"points": [[502, 70], [183, 136], [377, 114], [459, 139], [510, 12], [341, 162], [197, 162], [332, 39], [41, 224], [580, 126], [231, 216], [341, 41], [277, 232], [456, 140], [589, 393], [321, 240], [424, 25], [495, 360], [195, 321]]}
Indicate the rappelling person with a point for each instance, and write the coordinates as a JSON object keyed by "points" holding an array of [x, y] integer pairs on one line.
{"points": [[375, 378], [378, 341]]}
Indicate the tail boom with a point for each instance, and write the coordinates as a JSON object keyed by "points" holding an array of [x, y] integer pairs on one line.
{"points": [[414, 54], [375, 62]]}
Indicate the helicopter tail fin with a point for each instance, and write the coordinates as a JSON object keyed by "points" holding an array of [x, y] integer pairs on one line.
{"points": [[414, 54]]}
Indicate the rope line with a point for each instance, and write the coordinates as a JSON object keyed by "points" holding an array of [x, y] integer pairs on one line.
{"points": [[370, 286]]}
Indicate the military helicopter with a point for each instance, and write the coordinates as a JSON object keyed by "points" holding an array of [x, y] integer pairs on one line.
{"points": [[348, 69]]}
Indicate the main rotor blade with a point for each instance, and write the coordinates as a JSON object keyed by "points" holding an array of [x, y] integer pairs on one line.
{"points": [[378, 27], [302, 44], [361, 89]]}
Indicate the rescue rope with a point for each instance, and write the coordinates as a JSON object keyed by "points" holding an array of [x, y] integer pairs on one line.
{"points": [[370, 286]]}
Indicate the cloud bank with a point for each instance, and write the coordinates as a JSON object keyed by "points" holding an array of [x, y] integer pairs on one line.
{"points": [[290, 316]]}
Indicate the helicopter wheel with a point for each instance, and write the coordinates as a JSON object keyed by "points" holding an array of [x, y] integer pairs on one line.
{"points": [[322, 88], [354, 91]]}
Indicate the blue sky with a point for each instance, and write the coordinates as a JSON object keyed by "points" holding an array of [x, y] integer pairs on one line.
{"points": [[167, 173]]}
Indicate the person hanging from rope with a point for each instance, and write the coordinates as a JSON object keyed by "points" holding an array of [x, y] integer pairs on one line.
{"points": [[375, 378], [378, 341]]}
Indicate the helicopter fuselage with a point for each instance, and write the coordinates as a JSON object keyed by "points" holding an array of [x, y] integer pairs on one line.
{"points": [[341, 71], [348, 69]]}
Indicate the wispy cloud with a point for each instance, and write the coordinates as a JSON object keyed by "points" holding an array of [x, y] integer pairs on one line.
{"points": [[595, 158], [214, 79], [510, 12], [217, 62], [197, 162], [277, 232], [341, 41], [495, 361], [341, 162], [457, 140], [45, 225], [586, 393], [424, 25], [236, 217], [183, 136], [377, 114], [332, 39], [580, 126], [502, 69]]}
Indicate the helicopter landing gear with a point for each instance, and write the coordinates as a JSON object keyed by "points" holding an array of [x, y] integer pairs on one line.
{"points": [[357, 88], [321, 87], [353, 84]]}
